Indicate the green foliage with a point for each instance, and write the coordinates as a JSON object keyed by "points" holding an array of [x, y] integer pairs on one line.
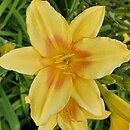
{"points": [[14, 112]]}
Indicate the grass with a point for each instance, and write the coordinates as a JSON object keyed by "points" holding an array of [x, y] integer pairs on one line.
{"points": [[14, 112]]}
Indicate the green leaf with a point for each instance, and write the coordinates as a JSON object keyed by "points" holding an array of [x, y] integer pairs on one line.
{"points": [[107, 80], [8, 112], [4, 5]]}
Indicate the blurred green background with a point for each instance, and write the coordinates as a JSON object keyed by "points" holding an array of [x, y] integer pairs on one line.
{"points": [[14, 112]]}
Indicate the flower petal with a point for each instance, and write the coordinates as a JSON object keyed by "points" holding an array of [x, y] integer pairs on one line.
{"points": [[47, 29], [87, 95], [115, 103], [89, 115], [98, 57], [118, 123], [24, 60], [50, 124], [49, 93], [72, 118], [88, 23]]}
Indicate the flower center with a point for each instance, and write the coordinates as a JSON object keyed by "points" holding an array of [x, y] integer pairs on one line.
{"points": [[63, 61]]}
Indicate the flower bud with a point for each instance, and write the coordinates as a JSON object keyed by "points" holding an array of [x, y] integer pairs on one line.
{"points": [[115, 104]]}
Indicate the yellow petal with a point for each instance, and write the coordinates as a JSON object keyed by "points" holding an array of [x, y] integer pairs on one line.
{"points": [[49, 93], [88, 23], [47, 29], [116, 104], [118, 123], [72, 125], [87, 95], [50, 124], [72, 118], [119, 106], [98, 57], [89, 115], [24, 60]]}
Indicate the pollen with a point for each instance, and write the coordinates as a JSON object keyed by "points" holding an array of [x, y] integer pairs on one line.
{"points": [[63, 61]]}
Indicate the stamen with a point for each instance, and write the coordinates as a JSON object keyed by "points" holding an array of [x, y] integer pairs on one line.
{"points": [[55, 57], [62, 66], [63, 61], [61, 58], [70, 73]]}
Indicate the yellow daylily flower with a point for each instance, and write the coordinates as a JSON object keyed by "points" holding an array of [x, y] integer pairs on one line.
{"points": [[65, 58], [118, 123], [72, 117]]}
